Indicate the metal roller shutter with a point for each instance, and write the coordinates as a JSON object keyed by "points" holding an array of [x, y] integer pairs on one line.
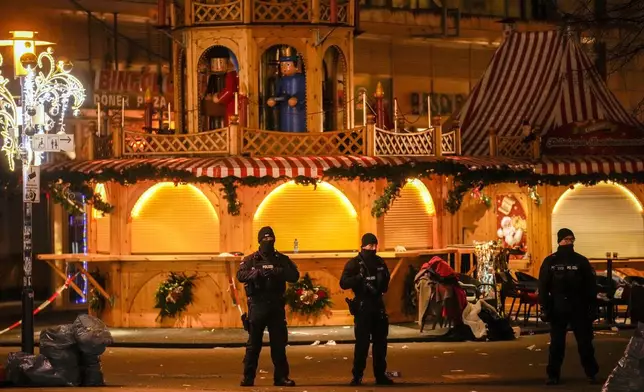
{"points": [[174, 219], [604, 218], [409, 221], [321, 219]]}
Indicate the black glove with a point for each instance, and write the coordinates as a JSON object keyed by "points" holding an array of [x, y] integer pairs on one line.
{"points": [[266, 272], [371, 289]]}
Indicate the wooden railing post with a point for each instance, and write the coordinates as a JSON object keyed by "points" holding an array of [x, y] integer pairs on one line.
{"points": [[234, 139], [247, 11], [457, 137], [371, 135], [117, 138], [536, 147], [380, 107], [315, 11], [438, 136], [494, 142]]}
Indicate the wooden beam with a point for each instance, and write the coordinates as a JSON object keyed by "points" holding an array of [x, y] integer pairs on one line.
{"points": [[64, 276], [96, 285]]}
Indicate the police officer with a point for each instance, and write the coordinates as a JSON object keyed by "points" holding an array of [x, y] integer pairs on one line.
{"points": [[368, 277], [264, 275], [568, 295]]}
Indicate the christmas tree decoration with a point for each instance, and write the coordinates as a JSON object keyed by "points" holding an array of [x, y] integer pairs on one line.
{"points": [[534, 195], [486, 255]]}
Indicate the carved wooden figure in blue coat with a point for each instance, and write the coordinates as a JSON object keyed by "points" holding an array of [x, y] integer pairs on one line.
{"points": [[291, 94]]}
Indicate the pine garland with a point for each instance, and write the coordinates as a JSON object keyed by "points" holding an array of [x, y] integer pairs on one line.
{"points": [[60, 184]]}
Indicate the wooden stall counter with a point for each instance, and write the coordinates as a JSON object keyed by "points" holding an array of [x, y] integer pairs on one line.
{"points": [[131, 282]]}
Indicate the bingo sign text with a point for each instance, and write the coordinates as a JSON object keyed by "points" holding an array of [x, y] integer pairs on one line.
{"points": [[115, 88], [443, 104]]}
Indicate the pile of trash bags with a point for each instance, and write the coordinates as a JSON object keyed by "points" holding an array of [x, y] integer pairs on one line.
{"points": [[70, 355], [628, 375]]}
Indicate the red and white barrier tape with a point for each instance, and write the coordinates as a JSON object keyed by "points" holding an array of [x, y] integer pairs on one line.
{"points": [[44, 304]]}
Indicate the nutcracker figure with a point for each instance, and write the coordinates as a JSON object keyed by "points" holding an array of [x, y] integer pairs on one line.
{"points": [[215, 113], [291, 94], [226, 95]]}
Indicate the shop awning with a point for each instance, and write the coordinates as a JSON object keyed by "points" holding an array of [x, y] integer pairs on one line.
{"points": [[590, 164], [231, 166], [288, 166], [477, 163], [99, 165]]}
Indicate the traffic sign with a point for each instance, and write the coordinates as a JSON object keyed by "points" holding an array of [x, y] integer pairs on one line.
{"points": [[31, 191], [52, 143]]}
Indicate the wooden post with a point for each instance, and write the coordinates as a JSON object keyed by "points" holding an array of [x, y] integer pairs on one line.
{"points": [[493, 142], [116, 142], [380, 106], [234, 145], [371, 135], [315, 11], [536, 147], [247, 11], [333, 12], [457, 137], [438, 136]]}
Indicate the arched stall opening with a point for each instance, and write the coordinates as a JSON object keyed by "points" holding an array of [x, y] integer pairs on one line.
{"points": [[334, 103], [605, 218], [102, 222], [174, 219], [410, 220], [217, 83], [282, 90], [320, 219]]}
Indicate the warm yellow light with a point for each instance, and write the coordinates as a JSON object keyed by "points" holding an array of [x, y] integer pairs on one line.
{"points": [[23, 34], [636, 202], [321, 219], [291, 184], [22, 42], [424, 194], [102, 192], [153, 190]]}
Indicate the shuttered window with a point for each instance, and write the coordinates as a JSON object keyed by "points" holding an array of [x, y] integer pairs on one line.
{"points": [[174, 219], [409, 221], [102, 223], [321, 219], [604, 218]]}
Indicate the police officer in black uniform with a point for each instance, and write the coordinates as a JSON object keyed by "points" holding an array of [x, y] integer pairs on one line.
{"points": [[264, 275], [368, 277], [568, 295]]}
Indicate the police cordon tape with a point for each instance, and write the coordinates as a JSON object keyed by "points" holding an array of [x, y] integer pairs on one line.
{"points": [[44, 304]]}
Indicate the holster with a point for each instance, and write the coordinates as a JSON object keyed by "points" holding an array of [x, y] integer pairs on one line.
{"points": [[354, 306], [245, 322]]}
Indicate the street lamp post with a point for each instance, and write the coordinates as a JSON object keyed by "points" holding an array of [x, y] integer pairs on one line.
{"points": [[48, 91]]}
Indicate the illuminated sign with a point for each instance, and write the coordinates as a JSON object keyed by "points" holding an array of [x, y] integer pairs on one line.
{"points": [[115, 88]]}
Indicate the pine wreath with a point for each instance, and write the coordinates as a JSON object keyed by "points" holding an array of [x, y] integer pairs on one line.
{"points": [[174, 295], [308, 299]]}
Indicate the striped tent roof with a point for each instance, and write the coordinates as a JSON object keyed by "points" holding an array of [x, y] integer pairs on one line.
{"points": [[543, 77]]}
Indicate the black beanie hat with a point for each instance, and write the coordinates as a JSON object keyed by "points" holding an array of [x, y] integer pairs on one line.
{"points": [[563, 233], [264, 232], [369, 239]]}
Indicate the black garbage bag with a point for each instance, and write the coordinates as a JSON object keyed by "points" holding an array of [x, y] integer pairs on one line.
{"points": [[92, 371], [58, 344], [498, 328], [91, 334], [26, 370], [628, 375]]}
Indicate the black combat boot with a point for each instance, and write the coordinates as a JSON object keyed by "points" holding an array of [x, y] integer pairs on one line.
{"points": [[247, 382], [284, 382], [355, 382], [384, 380]]}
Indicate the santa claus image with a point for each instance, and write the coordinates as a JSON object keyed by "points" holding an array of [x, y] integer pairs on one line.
{"points": [[509, 233]]}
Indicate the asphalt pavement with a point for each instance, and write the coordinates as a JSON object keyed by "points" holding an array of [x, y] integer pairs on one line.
{"points": [[517, 365]]}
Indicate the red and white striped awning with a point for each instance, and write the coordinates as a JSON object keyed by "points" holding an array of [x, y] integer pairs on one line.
{"points": [[288, 166], [231, 166], [590, 165], [99, 165]]}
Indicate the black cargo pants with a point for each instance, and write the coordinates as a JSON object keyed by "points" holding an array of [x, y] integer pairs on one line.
{"points": [[582, 327], [371, 326], [262, 315]]}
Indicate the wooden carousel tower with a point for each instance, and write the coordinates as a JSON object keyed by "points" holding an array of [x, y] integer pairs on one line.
{"points": [[276, 65]]}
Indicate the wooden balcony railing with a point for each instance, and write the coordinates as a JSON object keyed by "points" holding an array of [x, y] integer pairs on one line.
{"points": [[213, 12], [237, 140], [515, 146]]}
